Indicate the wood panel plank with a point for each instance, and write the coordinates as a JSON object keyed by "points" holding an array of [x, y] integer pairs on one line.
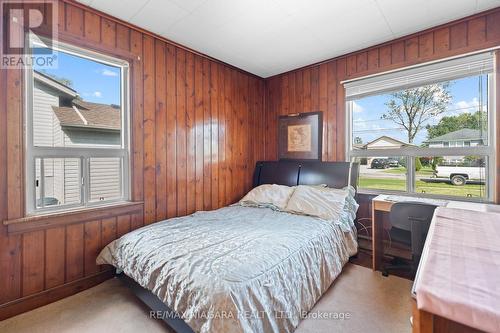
{"points": [[442, 40], [137, 117], [361, 62], [292, 107], [340, 112], [306, 77], [33, 262], [74, 252], [222, 138], [315, 88], [207, 147], [199, 132], [182, 132], [191, 134], [351, 65], [493, 26], [373, 59], [74, 20], [122, 37], [108, 231], [149, 172], [171, 131], [398, 52], [476, 31], [285, 89], [426, 45], [411, 49], [92, 27], [123, 225], [458, 36], [214, 135], [92, 239], [323, 107], [55, 245], [385, 56], [161, 128], [108, 33], [137, 221], [332, 108]]}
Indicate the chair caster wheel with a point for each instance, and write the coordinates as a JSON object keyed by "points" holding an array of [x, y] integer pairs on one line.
{"points": [[384, 273]]}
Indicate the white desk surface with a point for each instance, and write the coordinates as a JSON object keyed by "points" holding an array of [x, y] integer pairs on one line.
{"points": [[467, 205]]}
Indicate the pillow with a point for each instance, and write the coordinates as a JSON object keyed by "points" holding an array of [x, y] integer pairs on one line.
{"points": [[274, 196], [325, 203]]}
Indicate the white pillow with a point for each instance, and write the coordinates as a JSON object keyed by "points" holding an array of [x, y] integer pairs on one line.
{"points": [[325, 203], [276, 196]]}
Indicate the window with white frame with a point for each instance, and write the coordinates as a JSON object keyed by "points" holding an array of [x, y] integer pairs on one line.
{"points": [[427, 130], [76, 131]]}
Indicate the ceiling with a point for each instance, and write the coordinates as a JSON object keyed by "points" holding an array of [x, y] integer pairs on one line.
{"points": [[268, 37]]}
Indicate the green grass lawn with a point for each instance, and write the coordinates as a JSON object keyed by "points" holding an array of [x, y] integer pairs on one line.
{"points": [[429, 188]]}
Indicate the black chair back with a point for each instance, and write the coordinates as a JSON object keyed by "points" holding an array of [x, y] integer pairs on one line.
{"points": [[414, 217]]}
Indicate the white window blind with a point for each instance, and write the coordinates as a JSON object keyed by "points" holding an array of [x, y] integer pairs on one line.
{"points": [[447, 70]]}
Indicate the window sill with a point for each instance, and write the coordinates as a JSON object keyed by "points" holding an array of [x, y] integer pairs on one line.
{"points": [[52, 220], [426, 196]]}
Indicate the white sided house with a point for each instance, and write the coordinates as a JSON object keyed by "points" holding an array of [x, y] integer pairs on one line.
{"points": [[62, 119], [465, 137], [383, 142]]}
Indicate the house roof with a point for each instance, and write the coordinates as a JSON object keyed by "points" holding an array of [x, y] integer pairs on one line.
{"points": [[89, 115], [53, 83], [462, 134], [386, 138]]}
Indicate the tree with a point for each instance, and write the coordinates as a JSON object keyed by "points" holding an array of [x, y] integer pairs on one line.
{"points": [[477, 120], [65, 81], [418, 164], [412, 108], [358, 140]]}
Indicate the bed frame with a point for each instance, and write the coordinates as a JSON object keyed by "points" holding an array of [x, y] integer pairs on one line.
{"points": [[290, 173]]}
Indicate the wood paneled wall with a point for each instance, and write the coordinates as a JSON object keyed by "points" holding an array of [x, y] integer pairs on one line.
{"points": [[318, 88], [197, 130]]}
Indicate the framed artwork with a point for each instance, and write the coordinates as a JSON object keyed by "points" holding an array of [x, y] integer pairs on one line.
{"points": [[300, 136]]}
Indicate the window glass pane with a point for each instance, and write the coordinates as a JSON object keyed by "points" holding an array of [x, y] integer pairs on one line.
{"points": [[382, 173], [437, 115], [461, 176], [60, 183], [77, 103], [105, 178]]}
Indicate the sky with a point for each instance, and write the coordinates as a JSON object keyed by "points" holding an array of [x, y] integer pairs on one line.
{"points": [[367, 112], [94, 82]]}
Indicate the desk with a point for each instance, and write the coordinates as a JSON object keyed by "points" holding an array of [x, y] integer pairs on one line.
{"points": [[383, 203], [455, 289]]}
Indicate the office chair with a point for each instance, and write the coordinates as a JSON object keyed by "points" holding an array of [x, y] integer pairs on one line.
{"points": [[410, 223]]}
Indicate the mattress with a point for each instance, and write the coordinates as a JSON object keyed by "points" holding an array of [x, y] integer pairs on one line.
{"points": [[237, 269]]}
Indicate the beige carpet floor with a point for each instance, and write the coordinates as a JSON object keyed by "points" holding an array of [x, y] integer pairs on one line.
{"points": [[373, 304]]}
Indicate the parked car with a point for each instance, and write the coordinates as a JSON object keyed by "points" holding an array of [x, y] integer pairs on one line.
{"points": [[393, 163], [460, 175], [379, 163]]}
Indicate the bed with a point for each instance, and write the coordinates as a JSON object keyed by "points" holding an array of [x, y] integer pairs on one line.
{"points": [[238, 268]]}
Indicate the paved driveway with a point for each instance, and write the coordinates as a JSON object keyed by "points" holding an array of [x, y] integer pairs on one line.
{"points": [[365, 171]]}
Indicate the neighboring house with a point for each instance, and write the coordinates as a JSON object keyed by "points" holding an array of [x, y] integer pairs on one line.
{"points": [[62, 119], [383, 142], [462, 138]]}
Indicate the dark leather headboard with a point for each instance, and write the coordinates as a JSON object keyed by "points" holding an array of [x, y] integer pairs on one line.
{"points": [[291, 173]]}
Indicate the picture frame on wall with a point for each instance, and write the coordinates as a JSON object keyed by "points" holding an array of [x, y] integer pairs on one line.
{"points": [[300, 136]]}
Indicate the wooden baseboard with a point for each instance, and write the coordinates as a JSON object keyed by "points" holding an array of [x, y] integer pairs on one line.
{"points": [[31, 302]]}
